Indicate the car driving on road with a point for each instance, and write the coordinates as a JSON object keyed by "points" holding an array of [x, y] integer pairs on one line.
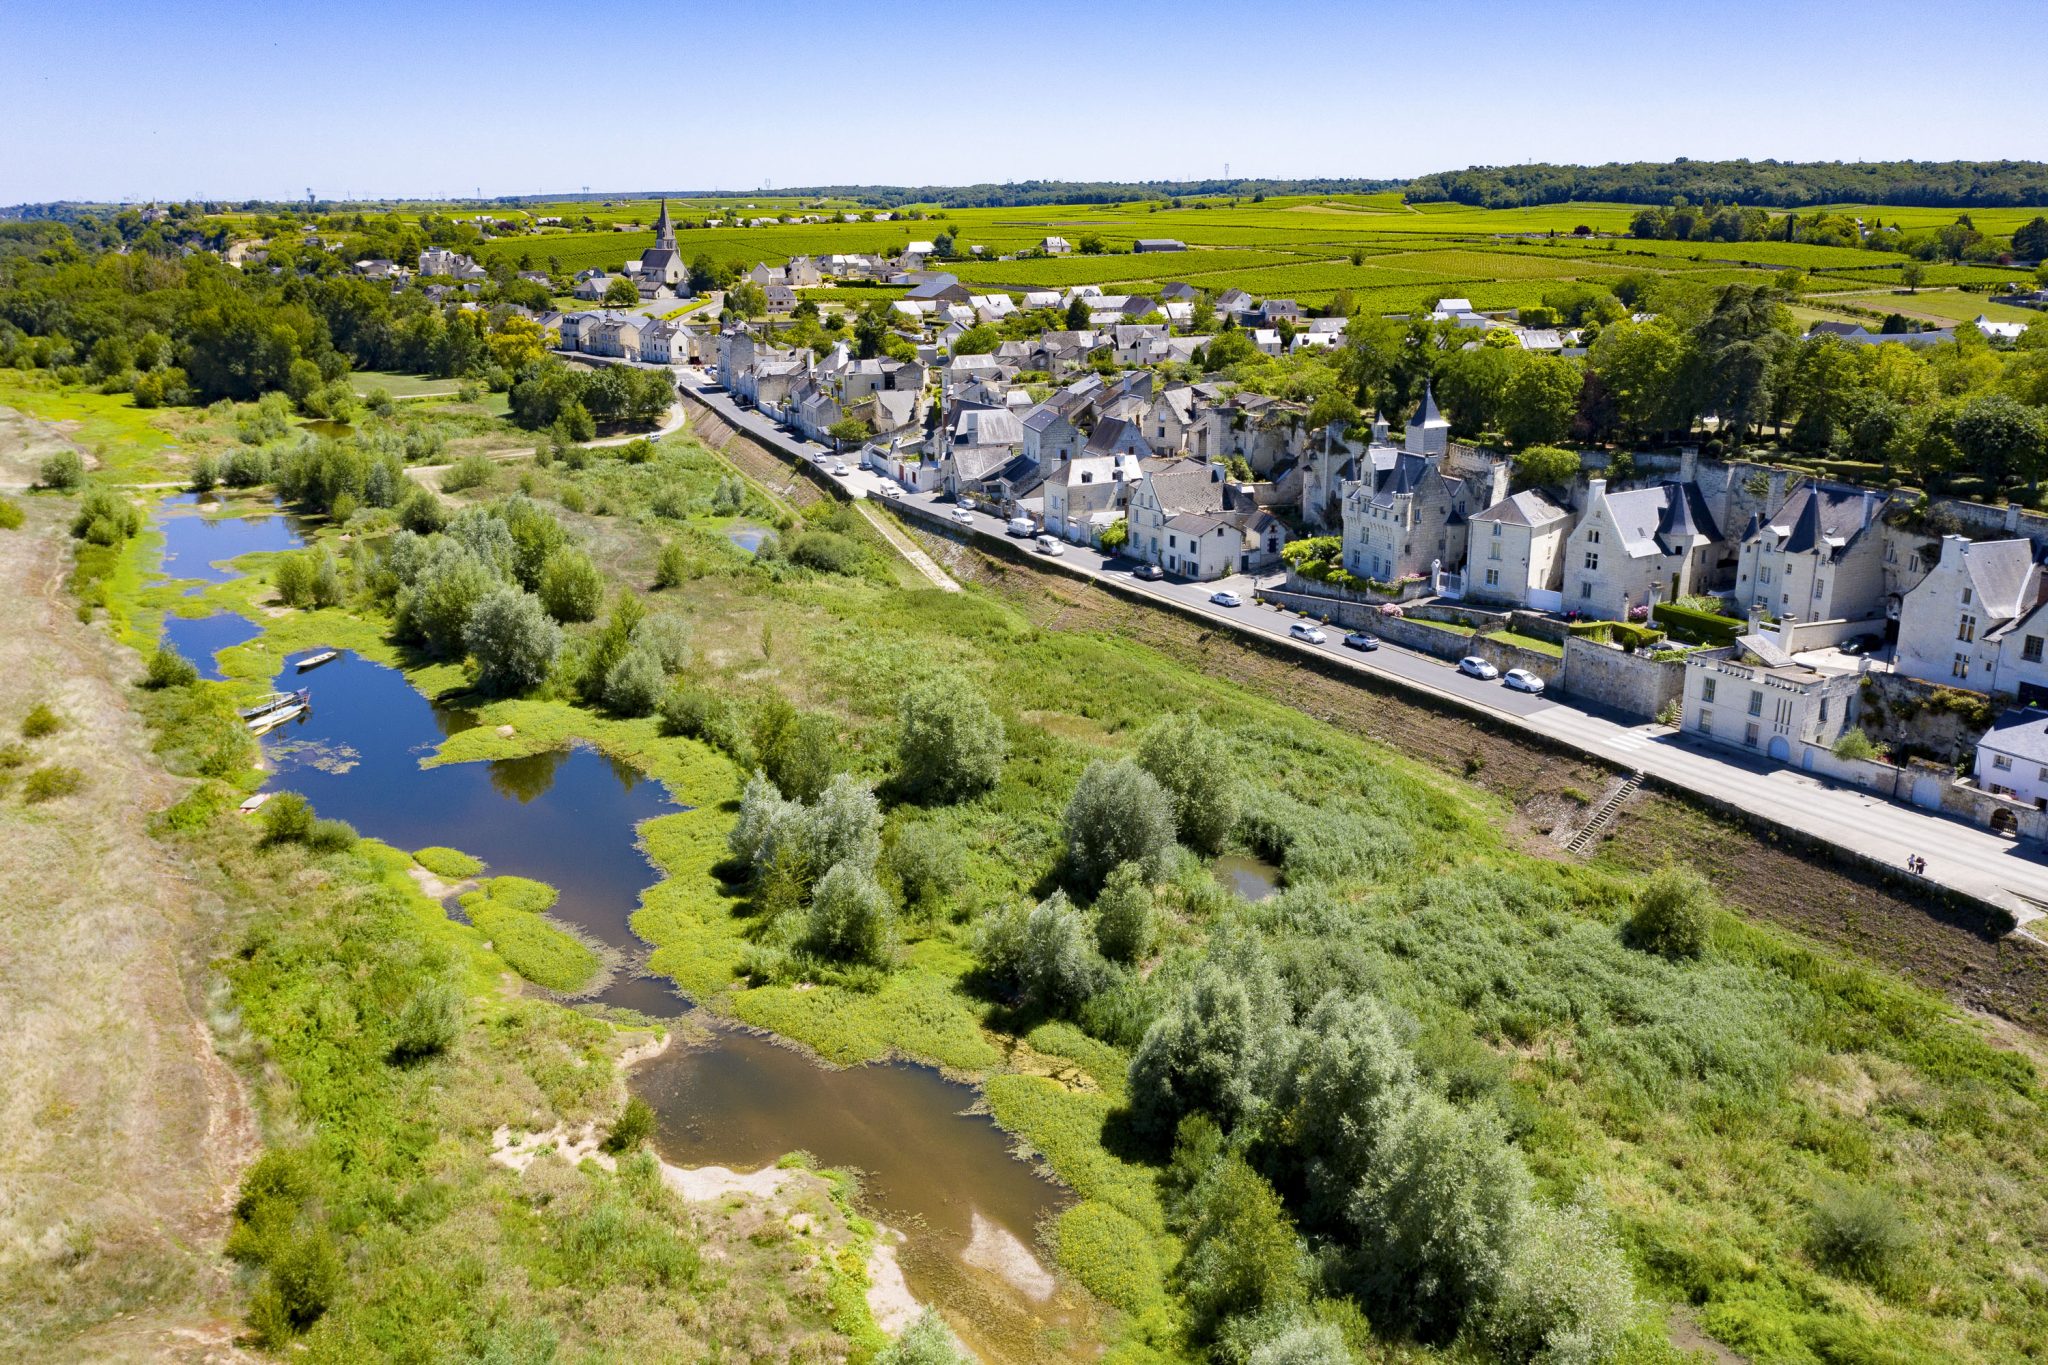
{"points": [[1302, 630], [1150, 573], [1046, 545], [1522, 680], [1020, 527], [1224, 597], [1358, 639], [1472, 666], [837, 467], [964, 515]]}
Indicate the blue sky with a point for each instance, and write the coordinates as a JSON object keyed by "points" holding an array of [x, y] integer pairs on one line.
{"points": [[228, 99]]}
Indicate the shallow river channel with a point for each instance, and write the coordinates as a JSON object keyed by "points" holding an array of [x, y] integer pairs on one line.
{"points": [[930, 1169]]}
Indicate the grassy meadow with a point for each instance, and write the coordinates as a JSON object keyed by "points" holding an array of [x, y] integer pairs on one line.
{"points": [[1711, 1107]]}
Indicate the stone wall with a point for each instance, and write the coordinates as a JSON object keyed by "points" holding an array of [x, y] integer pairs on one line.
{"points": [[1458, 614], [1412, 630], [1504, 656], [1634, 684], [1338, 609], [1409, 591], [1915, 717]]}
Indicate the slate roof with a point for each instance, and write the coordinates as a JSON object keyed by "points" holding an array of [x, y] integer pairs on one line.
{"points": [[1668, 518], [896, 408], [1198, 523], [933, 287], [1111, 433], [1528, 508], [2001, 572], [975, 463], [1428, 412], [2021, 732], [1184, 487], [1824, 518], [1041, 418], [987, 427]]}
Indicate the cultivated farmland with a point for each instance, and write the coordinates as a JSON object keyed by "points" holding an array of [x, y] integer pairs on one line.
{"points": [[1303, 248]]}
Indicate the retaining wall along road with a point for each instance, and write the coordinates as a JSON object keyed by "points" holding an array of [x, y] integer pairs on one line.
{"points": [[1630, 683]]}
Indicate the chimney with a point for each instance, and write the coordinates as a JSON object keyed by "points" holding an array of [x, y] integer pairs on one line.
{"points": [[1596, 489], [1688, 463], [2012, 516]]}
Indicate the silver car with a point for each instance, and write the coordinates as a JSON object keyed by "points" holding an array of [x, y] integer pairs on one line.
{"points": [[1302, 630]]}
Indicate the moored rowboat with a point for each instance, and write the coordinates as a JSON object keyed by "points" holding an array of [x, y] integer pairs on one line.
{"points": [[276, 709]]}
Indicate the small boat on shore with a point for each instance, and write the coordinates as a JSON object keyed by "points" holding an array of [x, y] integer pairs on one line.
{"points": [[325, 656]]}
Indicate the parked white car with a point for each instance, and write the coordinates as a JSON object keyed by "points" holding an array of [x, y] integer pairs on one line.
{"points": [[1224, 597], [1472, 666], [1048, 546], [1522, 680], [1302, 630], [1020, 527]]}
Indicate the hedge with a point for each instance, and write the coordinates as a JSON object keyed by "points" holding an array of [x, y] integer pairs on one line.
{"points": [[1629, 636], [1697, 627]]}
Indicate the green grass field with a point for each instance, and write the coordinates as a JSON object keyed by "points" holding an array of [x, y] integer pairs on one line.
{"points": [[403, 385], [1937, 305]]}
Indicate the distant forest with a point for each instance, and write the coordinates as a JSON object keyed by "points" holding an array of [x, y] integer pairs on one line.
{"points": [[1765, 184]]}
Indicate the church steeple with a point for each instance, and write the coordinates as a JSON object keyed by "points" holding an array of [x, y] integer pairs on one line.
{"points": [[664, 231]]}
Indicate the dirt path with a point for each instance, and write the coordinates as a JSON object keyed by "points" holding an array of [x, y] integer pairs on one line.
{"points": [[122, 1134], [906, 547]]}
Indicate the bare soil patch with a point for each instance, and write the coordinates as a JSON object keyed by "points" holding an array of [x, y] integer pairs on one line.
{"points": [[122, 1133]]}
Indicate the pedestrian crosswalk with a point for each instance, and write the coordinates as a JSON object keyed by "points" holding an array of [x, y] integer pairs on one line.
{"points": [[1629, 740]]}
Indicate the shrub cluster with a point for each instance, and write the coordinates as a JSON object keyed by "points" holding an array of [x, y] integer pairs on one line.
{"points": [[952, 745], [1416, 1205]]}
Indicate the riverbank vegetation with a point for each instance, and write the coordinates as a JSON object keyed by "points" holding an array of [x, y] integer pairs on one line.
{"points": [[385, 1051], [1440, 1093]]}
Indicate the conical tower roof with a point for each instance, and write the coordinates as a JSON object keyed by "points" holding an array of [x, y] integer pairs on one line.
{"points": [[1427, 413], [664, 230]]}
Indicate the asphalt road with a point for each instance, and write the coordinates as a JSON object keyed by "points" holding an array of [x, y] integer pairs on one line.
{"points": [[1959, 855]]}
